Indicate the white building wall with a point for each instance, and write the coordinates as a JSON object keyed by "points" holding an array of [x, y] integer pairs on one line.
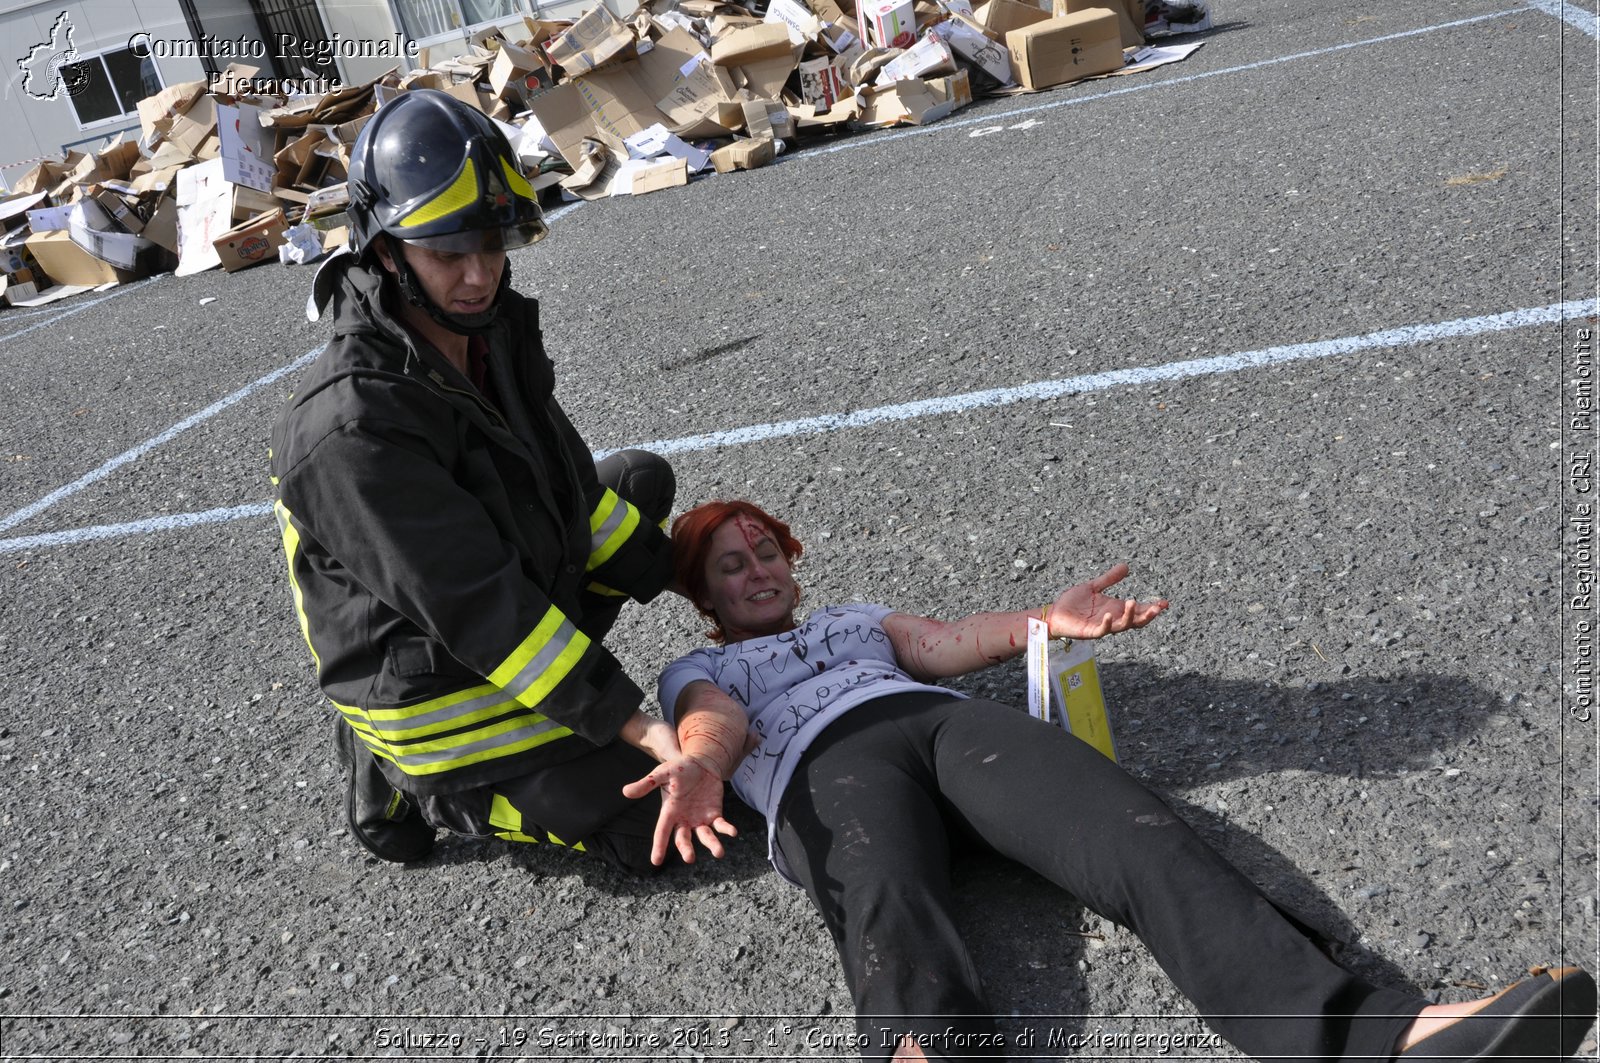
{"points": [[30, 128]]}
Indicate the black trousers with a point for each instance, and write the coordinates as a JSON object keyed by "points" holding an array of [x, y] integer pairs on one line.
{"points": [[578, 803], [866, 823]]}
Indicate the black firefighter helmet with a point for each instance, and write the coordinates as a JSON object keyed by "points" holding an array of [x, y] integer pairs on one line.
{"points": [[431, 170]]}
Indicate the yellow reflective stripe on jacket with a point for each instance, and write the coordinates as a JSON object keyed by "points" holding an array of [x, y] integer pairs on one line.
{"points": [[612, 521], [604, 591], [512, 734], [291, 550], [543, 660], [448, 713]]}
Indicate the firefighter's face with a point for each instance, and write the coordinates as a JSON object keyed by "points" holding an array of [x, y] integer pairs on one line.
{"points": [[459, 283]]}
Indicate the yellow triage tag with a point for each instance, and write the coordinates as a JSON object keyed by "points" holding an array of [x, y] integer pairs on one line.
{"points": [[1065, 687]]}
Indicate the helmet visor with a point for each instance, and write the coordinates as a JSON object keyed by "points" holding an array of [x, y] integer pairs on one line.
{"points": [[504, 238]]}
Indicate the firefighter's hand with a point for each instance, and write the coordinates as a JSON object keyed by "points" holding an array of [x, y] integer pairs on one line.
{"points": [[691, 807]]}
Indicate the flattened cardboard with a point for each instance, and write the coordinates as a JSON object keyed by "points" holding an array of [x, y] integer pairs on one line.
{"points": [[803, 25], [245, 146], [253, 242], [912, 102], [205, 204], [697, 95], [621, 100], [170, 101], [162, 228], [767, 40], [1059, 50]]}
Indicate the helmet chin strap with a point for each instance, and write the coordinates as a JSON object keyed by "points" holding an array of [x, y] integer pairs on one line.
{"points": [[417, 296]]}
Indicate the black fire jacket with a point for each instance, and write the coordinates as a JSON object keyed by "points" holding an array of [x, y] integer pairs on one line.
{"points": [[439, 548]]}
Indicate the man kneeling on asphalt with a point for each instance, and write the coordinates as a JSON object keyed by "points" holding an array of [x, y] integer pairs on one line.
{"points": [[454, 553]]}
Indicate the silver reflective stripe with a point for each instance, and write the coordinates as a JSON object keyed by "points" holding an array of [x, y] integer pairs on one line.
{"points": [[535, 669], [619, 513], [492, 699], [466, 750]]}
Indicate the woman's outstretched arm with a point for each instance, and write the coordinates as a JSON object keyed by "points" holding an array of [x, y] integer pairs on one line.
{"points": [[713, 735], [932, 649]]}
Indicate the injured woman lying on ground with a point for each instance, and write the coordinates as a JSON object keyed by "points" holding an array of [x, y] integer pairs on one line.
{"points": [[834, 727]]}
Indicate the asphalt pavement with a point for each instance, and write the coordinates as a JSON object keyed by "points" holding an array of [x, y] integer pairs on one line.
{"points": [[1290, 327]]}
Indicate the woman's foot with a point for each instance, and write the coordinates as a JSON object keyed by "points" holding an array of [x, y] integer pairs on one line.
{"points": [[1544, 1015]]}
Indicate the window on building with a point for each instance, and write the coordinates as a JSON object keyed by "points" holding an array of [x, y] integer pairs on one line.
{"points": [[425, 19], [109, 85]]}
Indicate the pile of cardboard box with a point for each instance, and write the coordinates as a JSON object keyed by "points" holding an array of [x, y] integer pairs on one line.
{"points": [[226, 175]]}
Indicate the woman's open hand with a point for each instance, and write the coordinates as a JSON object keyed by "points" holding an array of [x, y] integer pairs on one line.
{"points": [[691, 807], [1084, 612]]}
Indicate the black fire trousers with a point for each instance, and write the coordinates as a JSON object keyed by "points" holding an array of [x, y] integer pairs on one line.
{"points": [[578, 803], [866, 824]]}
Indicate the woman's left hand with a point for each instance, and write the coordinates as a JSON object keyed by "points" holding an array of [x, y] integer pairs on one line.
{"points": [[1083, 612], [691, 807]]}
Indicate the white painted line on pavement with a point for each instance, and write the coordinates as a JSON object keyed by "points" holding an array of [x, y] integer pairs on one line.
{"points": [[1404, 336], [75, 308], [155, 441], [1576, 17]]}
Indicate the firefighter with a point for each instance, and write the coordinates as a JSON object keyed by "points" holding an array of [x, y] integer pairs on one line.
{"points": [[455, 555]]}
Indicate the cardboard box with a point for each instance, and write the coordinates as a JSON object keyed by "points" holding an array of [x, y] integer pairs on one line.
{"points": [[977, 47], [822, 83], [743, 155], [67, 263], [889, 23], [767, 118], [511, 69], [119, 210], [929, 57], [1059, 50], [1132, 36], [17, 286], [253, 242], [1000, 17], [589, 43], [658, 174]]}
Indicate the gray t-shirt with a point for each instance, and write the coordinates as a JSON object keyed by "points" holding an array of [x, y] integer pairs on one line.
{"points": [[791, 685]]}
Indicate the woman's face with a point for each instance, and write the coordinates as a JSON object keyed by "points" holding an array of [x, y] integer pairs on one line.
{"points": [[748, 582]]}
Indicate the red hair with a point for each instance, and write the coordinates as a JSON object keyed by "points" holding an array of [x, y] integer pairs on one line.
{"points": [[691, 543]]}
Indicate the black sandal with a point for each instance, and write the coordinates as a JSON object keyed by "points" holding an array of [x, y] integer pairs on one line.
{"points": [[1542, 1017]]}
